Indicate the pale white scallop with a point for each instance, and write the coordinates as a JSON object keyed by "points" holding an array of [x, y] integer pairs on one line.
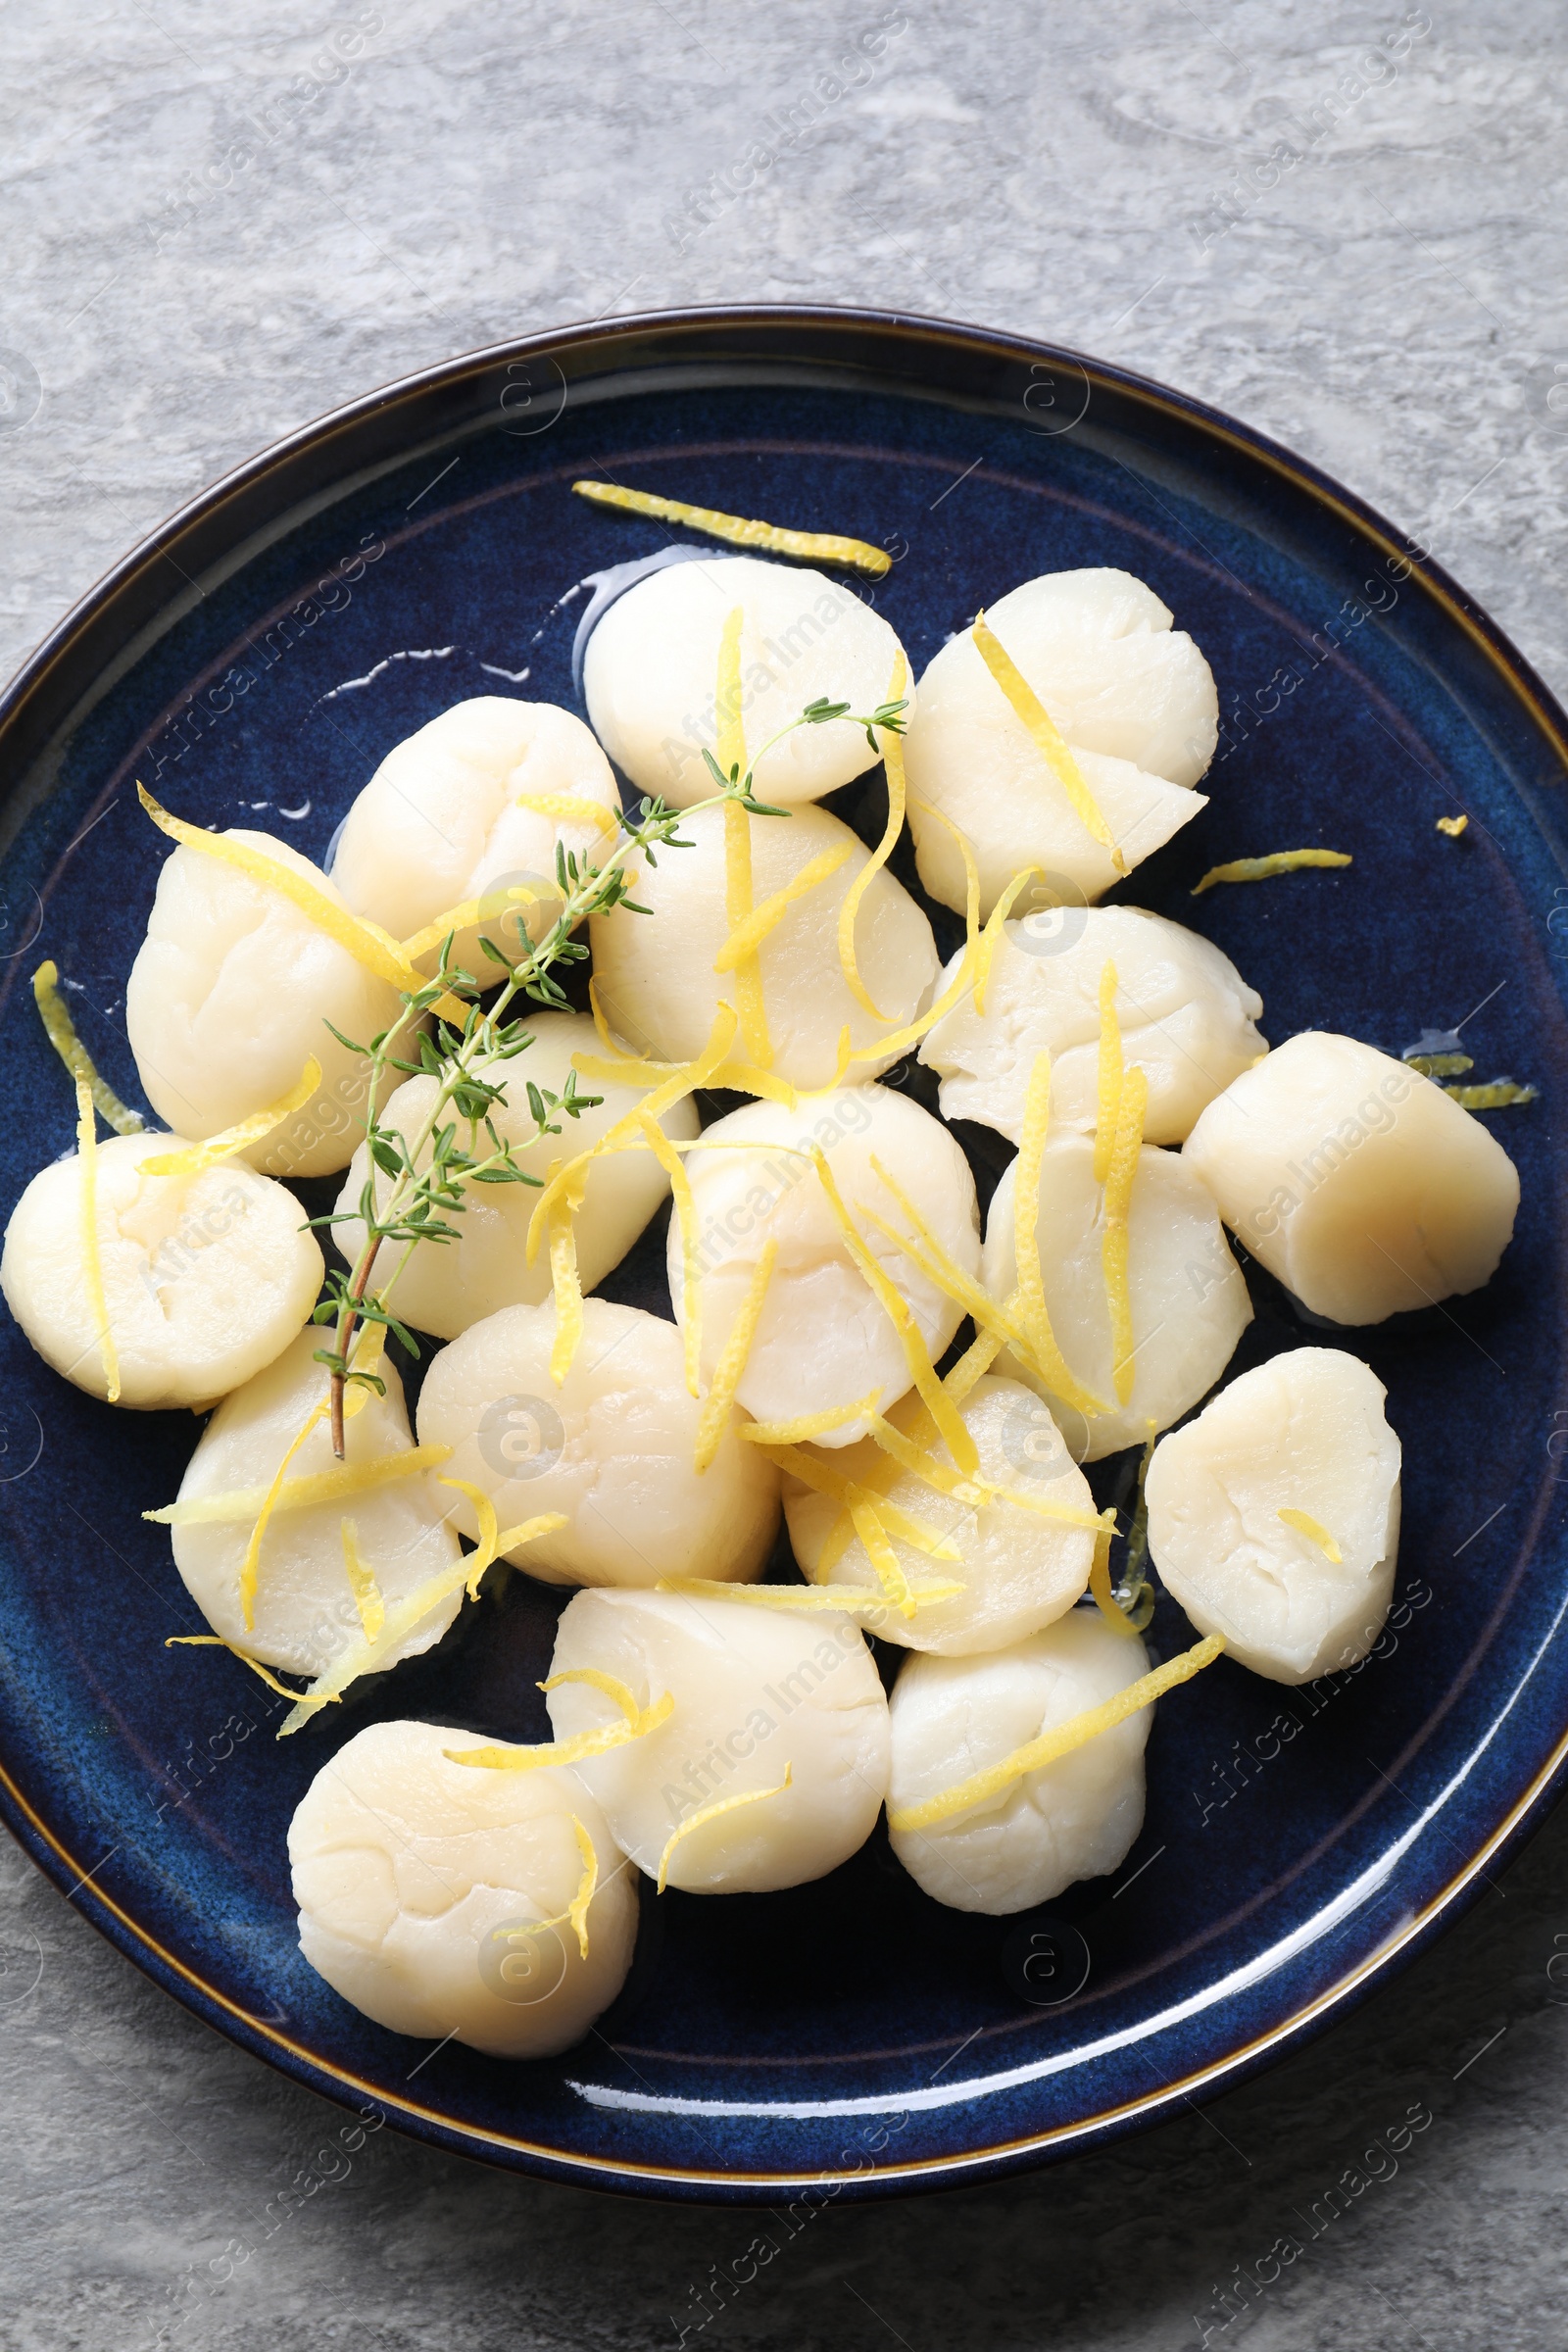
{"points": [[432, 1895], [232, 992], [1077, 1818], [611, 1448], [756, 1693], [823, 1338], [448, 1285], [1186, 1020], [1188, 1300], [650, 676], [1359, 1182], [655, 974], [1132, 697], [1305, 1432], [206, 1278], [305, 1614], [439, 822], [1019, 1570]]}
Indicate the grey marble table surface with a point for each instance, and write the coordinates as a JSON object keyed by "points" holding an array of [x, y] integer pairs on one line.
{"points": [[1342, 222]]}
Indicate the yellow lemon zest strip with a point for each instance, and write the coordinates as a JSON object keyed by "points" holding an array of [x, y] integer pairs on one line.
{"points": [[884, 1563], [473, 911], [1496, 1095], [365, 1656], [821, 547], [197, 1156], [974, 1363], [807, 1426], [1053, 1745], [216, 1641], [253, 1550], [738, 842], [61, 1031], [895, 1307], [738, 1077], [901, 1039], [691, 1310], [362, 1583], [566, 1285], [976, 1302], [571, 809], [1031, 1290], [1315, 1531], [93, 1266], [1110, 1074], [1100, 1585], [587, 1886], [300, 1494], [491, 1540], [682, 1081], [1119, 1181], [731, 1364], [846, 1056], [576, 1750], [990, 936], [366, 942], [803, 1598], [971, 1367], [1454, 826], [1261, 870], [977, 1493], [749, 936], [1047, 737], [815, 1474], [595, 1679], [712, 1812], [898, 796]]}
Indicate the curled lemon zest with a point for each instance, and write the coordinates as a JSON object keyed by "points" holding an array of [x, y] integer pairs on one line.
{"points": [[366, 942], [804, 1600], [1261, 870], [566, 1285], [61, 1031], [808, 1426], [975, 1494], [198, 1157], [712, 1812], [92, 1265], [691, 1305], [1113, 1246], [489, 1531], [216, 1641], [581, 1746], [587, 1886], [682, 1081], [1047, 738], [1111, 1072], [300, 1494], [990, 936], [732, 1363], [1454, 826], [846, 1056], [1052, 1745], [749, 936], [1303, 1524], [821, 547], [898, 796], [974, 1363], [737, 1077], [365, 1656], [571, 809], [362, 1583], [1100, 1585], [899, 1041], [895, 1307], [886, 1565], [1031, 1290], [482, 909], [817, 1474], [1497, 1094], [249, 1564]]}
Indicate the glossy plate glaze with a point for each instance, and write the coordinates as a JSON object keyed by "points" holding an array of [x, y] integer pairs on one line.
{"points": [[252, 663]]}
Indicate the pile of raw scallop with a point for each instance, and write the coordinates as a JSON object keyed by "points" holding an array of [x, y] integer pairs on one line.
{"points": [[712, 1732]]}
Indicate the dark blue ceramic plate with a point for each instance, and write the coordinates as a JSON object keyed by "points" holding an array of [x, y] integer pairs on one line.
{"points": [[251, 664]]}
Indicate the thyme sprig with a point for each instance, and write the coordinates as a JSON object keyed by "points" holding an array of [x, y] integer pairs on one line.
{"points": [[459, 1144]]}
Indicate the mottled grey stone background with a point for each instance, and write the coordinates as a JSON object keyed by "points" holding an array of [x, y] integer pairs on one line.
{"points": [[1393, 306]]}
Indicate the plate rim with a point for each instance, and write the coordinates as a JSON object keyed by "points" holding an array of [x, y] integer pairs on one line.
{"points": [[681, 329]]}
